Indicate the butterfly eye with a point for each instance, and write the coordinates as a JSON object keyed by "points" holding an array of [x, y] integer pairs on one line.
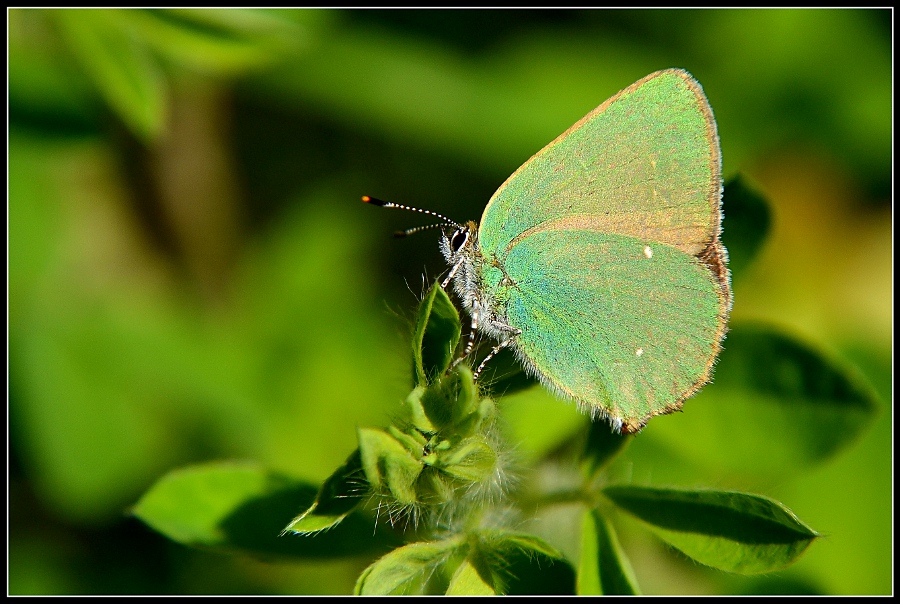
{"points": [[459, 239]]}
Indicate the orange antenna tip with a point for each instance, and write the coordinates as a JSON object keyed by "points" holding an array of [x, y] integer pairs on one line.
{"points": [[377, 202]]}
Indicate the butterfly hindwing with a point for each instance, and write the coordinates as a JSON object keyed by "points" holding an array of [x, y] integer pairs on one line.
{"points": [[626, 326]]}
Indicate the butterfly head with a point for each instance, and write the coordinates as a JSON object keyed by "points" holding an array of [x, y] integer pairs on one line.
{"points": [[459, 243]]}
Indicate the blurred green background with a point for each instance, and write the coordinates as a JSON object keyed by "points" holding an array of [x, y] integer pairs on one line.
{"points": [[193, 277]]}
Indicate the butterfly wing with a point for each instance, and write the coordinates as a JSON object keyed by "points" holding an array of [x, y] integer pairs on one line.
{"points": [[628, 205], [624, 326], [646, 163]]}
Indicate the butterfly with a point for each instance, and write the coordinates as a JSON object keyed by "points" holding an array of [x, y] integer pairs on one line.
{"points": [[599, 261]]}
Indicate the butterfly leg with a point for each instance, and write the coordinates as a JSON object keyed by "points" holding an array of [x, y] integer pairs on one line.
{"points": [[471, 343], [490, 355], [500, 326], [451, 274]]}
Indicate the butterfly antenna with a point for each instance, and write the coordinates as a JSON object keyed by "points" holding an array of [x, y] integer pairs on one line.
{"points": [[407, 232], [387, 204]]}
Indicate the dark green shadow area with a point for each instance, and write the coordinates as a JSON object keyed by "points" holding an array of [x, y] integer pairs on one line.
{"points": [[242, 508], [503, 374], [256, 527], [781, 586], [745, 223], [530, 573]]}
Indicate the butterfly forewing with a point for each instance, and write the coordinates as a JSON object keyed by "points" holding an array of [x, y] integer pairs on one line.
{"points": [[645, 163]]}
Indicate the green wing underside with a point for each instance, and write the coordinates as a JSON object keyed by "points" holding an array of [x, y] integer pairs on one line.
{"points": [[625, 325], [645, 163]]}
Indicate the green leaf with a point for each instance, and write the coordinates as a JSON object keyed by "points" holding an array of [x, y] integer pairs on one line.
{"points": [[437, 333], [389, 464], [745, 224], [468, 409], [488, 562], [450, 404], [240, 507], [467, 582], [521, 564], [223, 41], [505, 541], [406, 570], [736, 532], [415, 412], [472, 460], [339, 495], [603, 567], [776, 404], [115, 58]]}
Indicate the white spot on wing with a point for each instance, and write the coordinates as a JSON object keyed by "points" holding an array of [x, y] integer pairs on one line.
{"points": [[638, 352], [648, 252]]}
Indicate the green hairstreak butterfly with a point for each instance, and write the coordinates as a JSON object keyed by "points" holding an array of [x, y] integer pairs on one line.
{"points": [[598, 262]]}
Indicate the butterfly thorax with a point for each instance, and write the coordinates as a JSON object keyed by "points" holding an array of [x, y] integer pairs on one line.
{"points": [[471, 274]]}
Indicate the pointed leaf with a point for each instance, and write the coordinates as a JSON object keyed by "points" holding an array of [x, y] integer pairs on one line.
{"points": [[472, 460], [745, 223], [437, 333], [603, 567], [467, 582], [467, 402], [406, 570], [451, 400], [241, 507], [416, 413], [339, 495], [737, 532], [388, 463]]}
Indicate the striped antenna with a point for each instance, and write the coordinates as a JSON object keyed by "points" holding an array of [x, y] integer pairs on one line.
{"points": [[387, 204], [408, 232]]}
